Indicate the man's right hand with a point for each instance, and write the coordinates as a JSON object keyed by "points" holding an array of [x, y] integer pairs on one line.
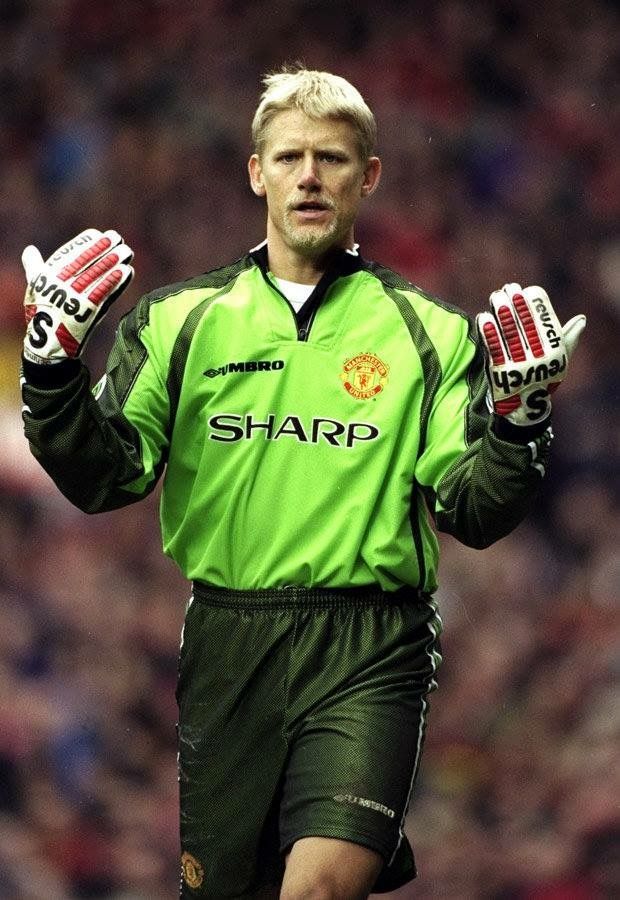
{"points": [[69, 293]]}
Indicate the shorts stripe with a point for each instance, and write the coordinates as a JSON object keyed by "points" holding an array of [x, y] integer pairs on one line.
{"points": [[435, 626]]}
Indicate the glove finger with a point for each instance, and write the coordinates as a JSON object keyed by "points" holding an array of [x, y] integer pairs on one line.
{"points": [[491, 338], [504, 312], [528, 325], [512, 293], [572, 332], [120, 254], [124, 252], [511, 289], [543, 313], [110, 284], [493, 341], [89, 254], [32, 262], [105, 292]]}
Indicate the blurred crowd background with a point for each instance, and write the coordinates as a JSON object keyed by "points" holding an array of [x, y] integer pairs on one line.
{"points": [[498, 124]]}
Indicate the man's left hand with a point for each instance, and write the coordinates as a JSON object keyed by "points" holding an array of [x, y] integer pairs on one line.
{"points": [[527, 351]]}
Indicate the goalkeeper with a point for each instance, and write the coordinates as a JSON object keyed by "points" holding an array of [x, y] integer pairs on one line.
{"points": [[308, 408]]}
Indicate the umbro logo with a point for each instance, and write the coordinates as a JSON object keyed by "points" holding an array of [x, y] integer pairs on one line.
{"points": [[253, 365]]}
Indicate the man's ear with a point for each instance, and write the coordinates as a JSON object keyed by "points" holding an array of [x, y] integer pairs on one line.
{"points": [[372, 174], [255, 171]]}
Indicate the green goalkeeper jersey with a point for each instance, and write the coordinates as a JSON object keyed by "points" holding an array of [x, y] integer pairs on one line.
{"points": [[297, 449]]}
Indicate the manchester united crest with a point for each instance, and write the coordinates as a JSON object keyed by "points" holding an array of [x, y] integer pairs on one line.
{"points": [[364, 376], [193, 873]]}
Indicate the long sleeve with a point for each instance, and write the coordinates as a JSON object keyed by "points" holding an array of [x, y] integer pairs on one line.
{"points": [[479, 479], [103, 448]]}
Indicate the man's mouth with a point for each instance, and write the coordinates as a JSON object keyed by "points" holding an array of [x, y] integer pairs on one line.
{"points": [[310, 204], [311, 209]]}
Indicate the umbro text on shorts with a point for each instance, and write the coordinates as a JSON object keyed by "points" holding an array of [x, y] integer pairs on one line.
{"points": [[301, 713]]}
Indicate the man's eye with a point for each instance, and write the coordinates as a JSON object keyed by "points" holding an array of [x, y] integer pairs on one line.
{"points": [[330, 157], [287, 158]]}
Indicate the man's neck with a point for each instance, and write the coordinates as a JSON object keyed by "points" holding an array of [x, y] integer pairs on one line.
{"points": [[291, 266]]}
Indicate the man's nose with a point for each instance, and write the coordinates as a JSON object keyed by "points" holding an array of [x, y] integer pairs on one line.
{"points": [[309, 176]]}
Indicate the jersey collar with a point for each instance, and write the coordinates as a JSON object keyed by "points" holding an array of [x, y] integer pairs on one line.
{"points": [[342, 262]]}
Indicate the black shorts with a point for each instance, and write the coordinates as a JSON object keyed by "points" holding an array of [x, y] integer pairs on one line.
{"points": [[301, 713]]}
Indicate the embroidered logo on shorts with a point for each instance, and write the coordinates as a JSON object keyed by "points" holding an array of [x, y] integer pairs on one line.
{"points": [[364, 376], [193, 873], [369, 804]]}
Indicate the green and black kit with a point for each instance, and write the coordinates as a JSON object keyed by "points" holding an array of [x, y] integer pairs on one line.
{"points": [[303, 456]]}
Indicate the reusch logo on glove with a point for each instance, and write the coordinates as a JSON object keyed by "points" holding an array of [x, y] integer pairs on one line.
{"points": [[509, 380], [80, 240], [59, 298], [547, 322]]}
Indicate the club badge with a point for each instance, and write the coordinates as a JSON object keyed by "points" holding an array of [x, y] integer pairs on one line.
{"points": [[193, 873], [364, 376]]}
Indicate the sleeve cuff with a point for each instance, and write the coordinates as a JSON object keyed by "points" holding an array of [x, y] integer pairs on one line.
{"points": [[54, 376], [518, 434]]}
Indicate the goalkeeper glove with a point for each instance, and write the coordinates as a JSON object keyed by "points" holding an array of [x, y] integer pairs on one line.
{"points": [[69, 293], [527, 352]]}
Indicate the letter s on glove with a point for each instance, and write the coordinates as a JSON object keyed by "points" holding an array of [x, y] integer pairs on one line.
{"points": [[527, 351], [69, 293]]}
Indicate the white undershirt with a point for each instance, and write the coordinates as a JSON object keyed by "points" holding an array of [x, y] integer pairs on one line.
{"points": [[295, 293]]}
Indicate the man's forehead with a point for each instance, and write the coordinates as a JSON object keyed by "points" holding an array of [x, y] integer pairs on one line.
{"points": [[293, 126]]}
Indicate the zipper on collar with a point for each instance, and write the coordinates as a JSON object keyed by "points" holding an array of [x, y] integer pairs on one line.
{"points": [[302, 331], [344, 264], [304, 318]]}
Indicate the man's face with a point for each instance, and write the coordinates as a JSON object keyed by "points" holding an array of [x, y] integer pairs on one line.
{"points": [[313, 178]]}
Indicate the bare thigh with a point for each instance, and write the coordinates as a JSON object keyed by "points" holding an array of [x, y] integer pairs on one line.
{"points": [[329, 869]]}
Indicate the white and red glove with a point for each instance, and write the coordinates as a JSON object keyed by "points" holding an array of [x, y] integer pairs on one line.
{"points": [[527, 351], [69, 293]]}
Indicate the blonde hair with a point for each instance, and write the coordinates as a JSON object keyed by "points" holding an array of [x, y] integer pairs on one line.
{"points": [[319, 95]]}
